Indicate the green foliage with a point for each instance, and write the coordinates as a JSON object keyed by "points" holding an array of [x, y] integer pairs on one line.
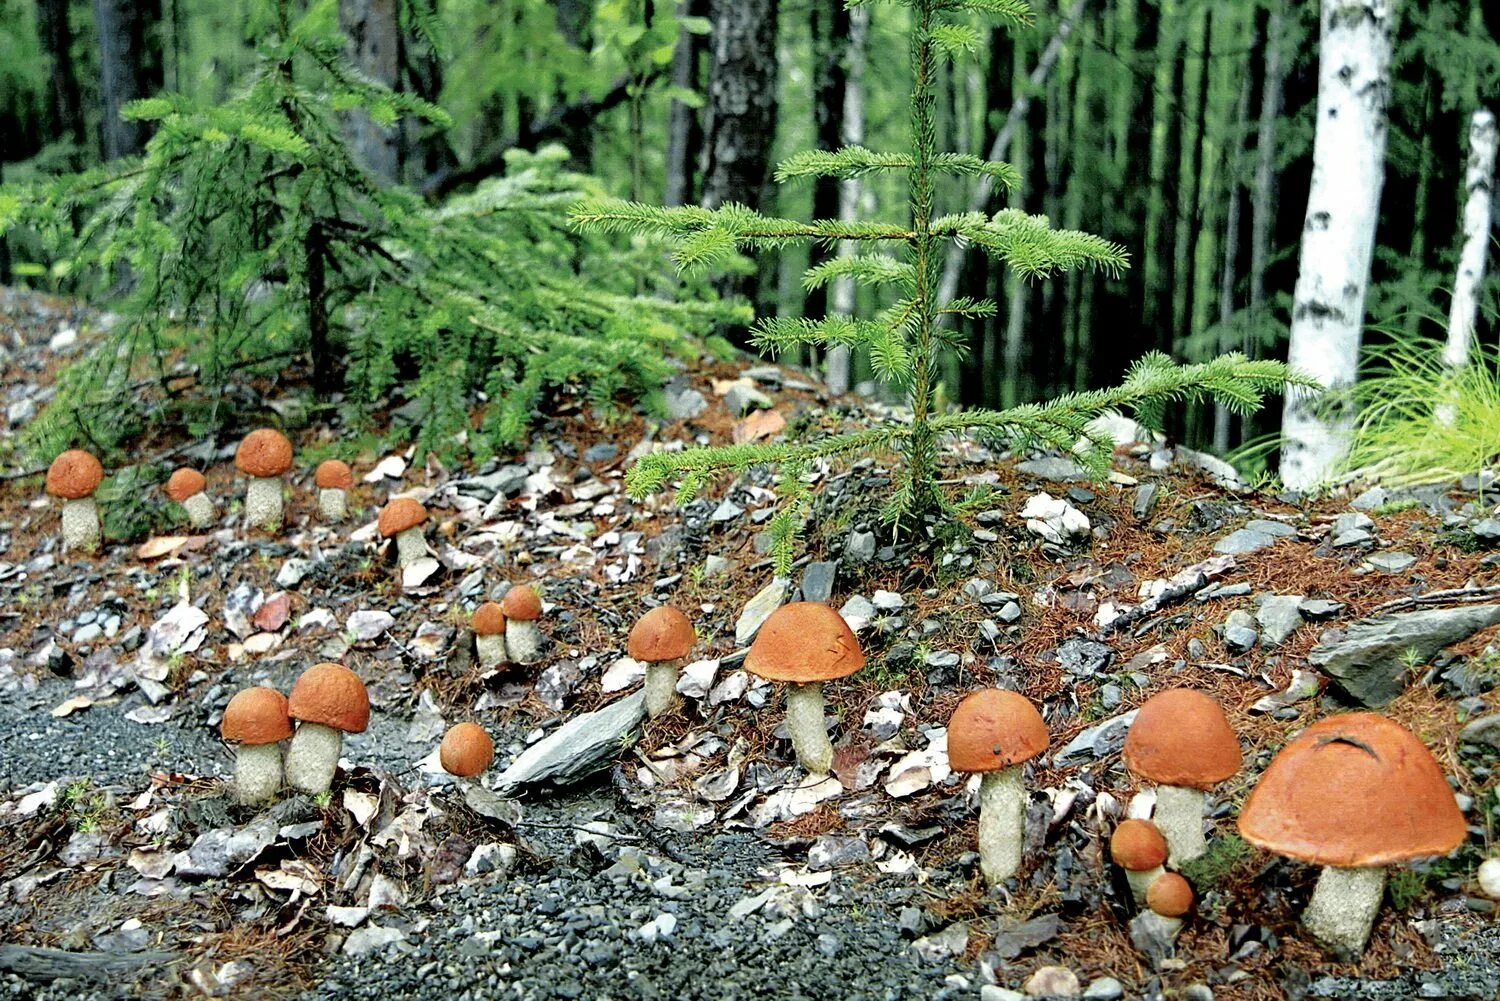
{"points": [[1405, 887], [1211, 869]]}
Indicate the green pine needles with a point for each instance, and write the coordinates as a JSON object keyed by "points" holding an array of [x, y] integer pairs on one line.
{"points": [[904, 341]]}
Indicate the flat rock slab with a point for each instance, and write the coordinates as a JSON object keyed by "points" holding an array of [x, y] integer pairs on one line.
{"points": [[578, 748], [1369, 660]]}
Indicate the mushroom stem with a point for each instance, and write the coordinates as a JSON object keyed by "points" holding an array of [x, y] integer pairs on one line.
{"points": [[490, 650], [80, 524], [661, 686], [332, 504], [523, 641], [1343, 907], [1140, 881], [257, 772], [804, 723], [200, 510], [1179, 817], [1002, 823], [313, 757], [263, 503], [410, 547]]}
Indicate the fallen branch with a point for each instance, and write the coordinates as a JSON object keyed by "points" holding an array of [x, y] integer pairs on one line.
{"points": [[35, 963], [1455, 596]]}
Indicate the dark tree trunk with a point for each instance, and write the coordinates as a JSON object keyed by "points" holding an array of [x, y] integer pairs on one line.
{"points": [[830, 46], [130, 67], [374, 31], [65, 104], [572, 20], [684, 129], [316, 247]]}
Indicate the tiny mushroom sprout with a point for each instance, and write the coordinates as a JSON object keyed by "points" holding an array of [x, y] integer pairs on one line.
{"points": [[403, 518], [995, 732], [334, 480], [257, 721], [805, 644], [466, 750], [1170, 897], [73, 477], [489, 635], [522, 606], [1138, 848], [1182, 741], [1353, 793], [329, 701], [264, 456], [661, 640], [186, 487]]}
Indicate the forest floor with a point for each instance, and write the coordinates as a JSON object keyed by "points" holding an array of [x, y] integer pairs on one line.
{"points": [[700, 861]]}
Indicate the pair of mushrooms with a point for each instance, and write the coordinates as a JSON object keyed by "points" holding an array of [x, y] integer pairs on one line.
{"points": [[1138, 847], [327, 701], [507, 631], [265, 456]]}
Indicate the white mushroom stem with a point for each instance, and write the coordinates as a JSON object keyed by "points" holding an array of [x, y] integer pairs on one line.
{"points": [[263, 503], [80, 524], [804, 724], [333, 504], [523, 641], [200, 510], [1343, 907], [1140, 881], [661, 686], [1002, 823], [491, 649], [257, 772], [410, 546], [1179, 817], [313, 757]]}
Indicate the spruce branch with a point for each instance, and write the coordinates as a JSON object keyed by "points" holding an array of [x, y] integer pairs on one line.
{"points": [[867, 269]]}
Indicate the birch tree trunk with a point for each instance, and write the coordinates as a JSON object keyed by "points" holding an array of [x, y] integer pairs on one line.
{"points": [[374, 31], [841, 298], [1338, 234], [1479, 184]]}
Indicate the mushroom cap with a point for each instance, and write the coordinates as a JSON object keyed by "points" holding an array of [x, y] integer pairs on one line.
{"points": [[332, 474], [664, 633], [184, 483], [74, 474], [1181, 737], [1354, 790], [522, 603], [1170, 895], [399, 515], [993, 729], [264, 453], [804, 642], [466, 750], [256, 716], [489, 620], [332, 695], [1137, 845]]}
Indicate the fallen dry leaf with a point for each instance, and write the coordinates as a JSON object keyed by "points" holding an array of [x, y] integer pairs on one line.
{"points": [[273, 614], [158, 546], [70, 706], [761, 424]]}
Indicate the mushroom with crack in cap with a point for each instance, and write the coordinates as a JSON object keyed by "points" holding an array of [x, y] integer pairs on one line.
{"points": [[187, 487], [1138, 848], [994, 733], [522, 607], [328, 701], [466, 750], [264, 455], [489, 635], [404, 518], [1353, 793], [256, 721], [333, 480], [73, 477], [661, 640], [805, 644], [1181, 741]]}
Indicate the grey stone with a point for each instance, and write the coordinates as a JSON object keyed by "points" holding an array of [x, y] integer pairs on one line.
{"points": [[990, 992], [1370, 499], [219, 852], [1278, 616], [684, 404], [1105, 989], [1239, 631], [1482, 730], [293, 571], [1275, 529], [1098, 741], [742, 397], [1391, 562], [818, 580], [758, 609], [727, 511], [1352, 521], [1154, 935], [832, 851], [888, 601], [579, 747], [1146, 496], [1010, 613], [1055, 468], [861, 547], [1368, 661], [368, 624], [1320, 608], [1084, 658], [1486, 530], [1242, 541], [1353, 537], [506, 480], [1053, 982]]}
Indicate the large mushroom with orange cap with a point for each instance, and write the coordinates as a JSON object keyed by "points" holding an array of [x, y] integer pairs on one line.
{"points": [[661, 640], [1353, 793], [994, 732], [187, 487], [1138, 848], [805, 644], [264, 455], [1182, 741], [466, 750], [73, 477], [256, 721], [489, 635], [328, 701], [403, 519], [522, 607], [334, 480]]}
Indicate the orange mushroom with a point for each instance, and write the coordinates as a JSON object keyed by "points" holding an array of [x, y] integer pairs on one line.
{"points": [[264, 455], [73, 477], [329, 701], [334, 480], [256, 721], [995, 732], [661, 640]]}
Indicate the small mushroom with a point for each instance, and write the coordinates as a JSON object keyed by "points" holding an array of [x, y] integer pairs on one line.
{"points": [[1181, 741], [1138, 848], [522, 606], [186, 487], [805, 644], [489, 635], [73, 477], [264, 456], [1170, 898], [257, 721], [329, 701], [661, 640], [1353, 793], [404, 518], [466, 750], [994, 732], [334, 480]]}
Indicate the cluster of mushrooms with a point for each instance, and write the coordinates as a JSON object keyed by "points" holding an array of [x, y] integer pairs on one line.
{"points": [[327, 701]]}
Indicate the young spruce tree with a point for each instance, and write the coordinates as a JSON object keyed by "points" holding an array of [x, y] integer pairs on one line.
{"points": [[904, 340]]}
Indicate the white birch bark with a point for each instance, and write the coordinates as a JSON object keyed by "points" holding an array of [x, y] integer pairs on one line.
{"points": [[1338, 235], [1479, 183], [841, 296]]}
